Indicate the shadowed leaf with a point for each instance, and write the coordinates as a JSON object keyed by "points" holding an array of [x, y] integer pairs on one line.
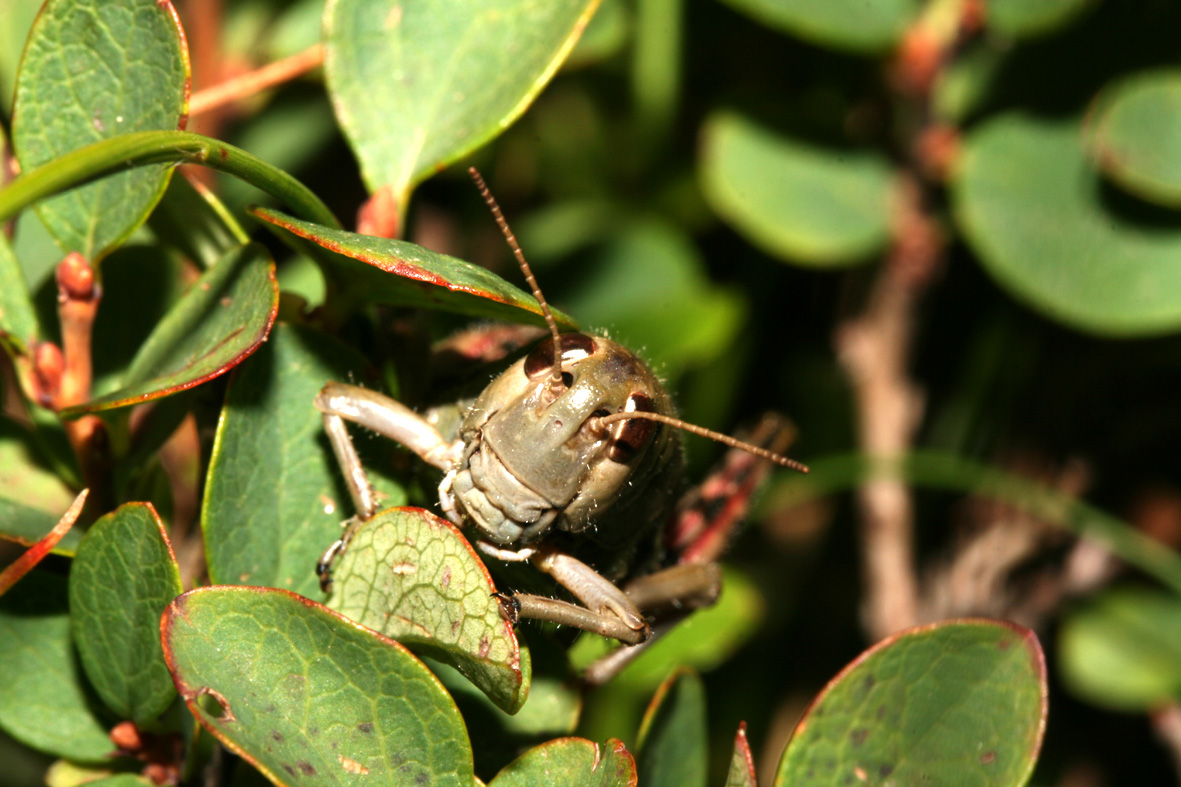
{"points": [[859, 25], [673, 739], [18, 568], [123, 576], [94, 69], [308, 697], [220, 321], [960, 702], [18, 321], [32, 497], [1024, 18], [742, 764], [413, 577]]}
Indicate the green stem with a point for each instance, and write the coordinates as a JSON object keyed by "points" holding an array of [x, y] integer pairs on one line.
{"points": [[143, 148], [936, 470]]}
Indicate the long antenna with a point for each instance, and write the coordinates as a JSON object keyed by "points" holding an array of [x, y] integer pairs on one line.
{"points": [[701, 431], [556, 372]]}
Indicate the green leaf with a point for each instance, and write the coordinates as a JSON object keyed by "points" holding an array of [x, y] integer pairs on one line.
{"points": [[308, 697], [742, 764], [32, 497], [18, 321], [222, 319], [417, 87], [648, 284], [95, 69], [1134, 135], [412, 576], [960, 702], [673, 747], [571, 762], [196, 223], [273, 502], [397, 273], [1037, 215], [16, 19], [1024, 18], [45, 703], [122, 577], [866, 26], [810, 205], [1121, 650], [121, 780]]}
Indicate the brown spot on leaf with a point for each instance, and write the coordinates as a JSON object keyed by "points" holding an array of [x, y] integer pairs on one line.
{"points": [[306, 768], [365, 727], [988, 758], [485, 646], [277, 736], [445, 581], [858, 736]]}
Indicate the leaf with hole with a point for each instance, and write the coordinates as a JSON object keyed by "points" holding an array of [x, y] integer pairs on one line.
{"points": [[958, 702], [274, 500], [220, 321], [413, 577], [94, 69], [810, 205], [417, 87], [309, 697], [123, 576]]}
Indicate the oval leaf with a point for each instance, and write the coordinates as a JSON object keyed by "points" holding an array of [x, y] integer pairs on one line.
{"points": [[45, 702], [417, 87], [1023, 18], [742, 764], [412, 576], [272, 495], [959, 702], [1120, 651], [373, 270], [308, 697], [858, 25], [218, 323], [122, 577], [1036, 214], [672, 745], [571, 762], [796, 201], [94, 69], [1135, 135]]}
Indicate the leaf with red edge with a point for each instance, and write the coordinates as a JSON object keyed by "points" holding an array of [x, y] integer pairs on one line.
{"points": [[958, 702], [742, 764], [413, 577], [309, 697], [219, 322], [33, 555], [571, 762], [371, 270]]}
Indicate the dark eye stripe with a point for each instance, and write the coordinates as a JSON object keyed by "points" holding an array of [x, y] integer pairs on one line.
{"points": [[575, 347], [632, 436]]}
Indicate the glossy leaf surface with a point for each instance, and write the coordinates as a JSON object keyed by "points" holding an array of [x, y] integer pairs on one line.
{"points": [[742, 764], [1036, 214], [220, 321], [1135, 135], [793, 200], [95, 69], [273, 498], [573, 762], [397, 273], [123, 576], [859, 25], [308, 697], [417, 87], [673, 741], [412, 576], [959, 702], [1120, 650], [45, 702]]}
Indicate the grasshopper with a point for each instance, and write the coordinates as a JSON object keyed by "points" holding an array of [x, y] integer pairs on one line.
{"points": [[570, 460]]}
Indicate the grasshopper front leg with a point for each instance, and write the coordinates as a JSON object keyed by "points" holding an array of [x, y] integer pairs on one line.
{"points": [[338, 403]]}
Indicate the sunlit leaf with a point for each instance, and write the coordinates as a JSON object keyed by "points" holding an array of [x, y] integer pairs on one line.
{"points": [[572, 762], [308, 697]]}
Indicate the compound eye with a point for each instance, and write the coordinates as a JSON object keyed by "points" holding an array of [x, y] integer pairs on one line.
{"points": [[633, 435], [575, 347]]}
